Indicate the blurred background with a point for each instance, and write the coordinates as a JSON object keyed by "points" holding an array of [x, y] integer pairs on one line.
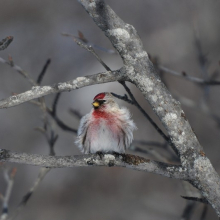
{"points": [[170, 31]]}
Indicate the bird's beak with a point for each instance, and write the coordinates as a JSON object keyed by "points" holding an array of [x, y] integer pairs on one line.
{"points": [[96, 104]]}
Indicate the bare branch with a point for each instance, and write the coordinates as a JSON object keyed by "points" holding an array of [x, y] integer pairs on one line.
{"points": [[149, 118], [87, 43], [188, 211], [75, 113], [141, 72], [61, 124], [5, 42], [42, 73], [202, 200], [124, 98], [18, 69], [89, 48], [190, 78], [204, 212], [9, 178], [79, 82], [53, 114], [43, 172], [133, 101], [120, 160]]}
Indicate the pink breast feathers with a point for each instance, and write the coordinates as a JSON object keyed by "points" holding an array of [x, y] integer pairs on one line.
{"points": [[97, 114], [109, 120]]}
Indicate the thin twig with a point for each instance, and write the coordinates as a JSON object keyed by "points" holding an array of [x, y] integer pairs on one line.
{"points": [[9, 178], [4, 43], [133, 100], [204, 212], [18, 69], [166, 138], [27, 196], [84, 40], [124, 98], [202, 200], [188, 210], [149, 143], [156, 155], [51, 138], [53, 113], [42, 73], [79, 82], [89, 48], [55, 102], [75, 113], [190, 78]]}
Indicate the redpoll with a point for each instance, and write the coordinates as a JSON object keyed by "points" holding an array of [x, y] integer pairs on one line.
{"points": [[107, 128]]}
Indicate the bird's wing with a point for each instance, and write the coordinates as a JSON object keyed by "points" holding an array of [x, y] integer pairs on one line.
{"points": [[128, 126], [82, 133]]}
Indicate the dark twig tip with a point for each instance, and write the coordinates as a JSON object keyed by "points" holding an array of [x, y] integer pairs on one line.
{"points": [[5, 210], [42, 73], [26, 198], [4, 43], [124, 98], [55, 103], [196, 199]]}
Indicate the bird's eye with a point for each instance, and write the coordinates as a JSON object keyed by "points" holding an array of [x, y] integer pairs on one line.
{"points": [[102, 101]]}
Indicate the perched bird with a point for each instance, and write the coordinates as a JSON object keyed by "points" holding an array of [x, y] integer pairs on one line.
{"points": [[107, 128]]}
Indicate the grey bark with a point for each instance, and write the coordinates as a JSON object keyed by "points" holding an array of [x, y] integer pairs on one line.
{"points": [[142, 73], [79, 82], [110, 160], [139, 70]]}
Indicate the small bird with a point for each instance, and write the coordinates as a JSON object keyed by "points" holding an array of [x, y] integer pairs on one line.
{"points": [[107, 128]]}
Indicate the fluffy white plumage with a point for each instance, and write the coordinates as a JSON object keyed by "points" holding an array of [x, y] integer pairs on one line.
{"points": [[107, 128]]}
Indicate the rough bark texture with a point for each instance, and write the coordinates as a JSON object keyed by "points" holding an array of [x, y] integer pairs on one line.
{"points": [[117, 160], [79, 82], [141, 72]]}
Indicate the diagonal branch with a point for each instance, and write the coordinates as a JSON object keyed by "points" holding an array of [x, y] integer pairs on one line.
{"points": [[4, 43], [17, 68], [141, 72], [79, 82], [9, 177], [133, 101], [108, 160]]}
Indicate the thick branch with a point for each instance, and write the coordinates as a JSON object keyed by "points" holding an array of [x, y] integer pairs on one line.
{"points": [[142, 73], [79, 82], [109, 160]]}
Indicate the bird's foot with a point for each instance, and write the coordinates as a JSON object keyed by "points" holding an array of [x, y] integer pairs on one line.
{"points": [[100, 154], [116, 154]]}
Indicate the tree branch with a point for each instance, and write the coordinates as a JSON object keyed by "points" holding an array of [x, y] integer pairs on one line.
{"points": [[4, 43], [118, 160], [190, 78], [79, 82], [9, 178], [43, 71], [141, 72]]}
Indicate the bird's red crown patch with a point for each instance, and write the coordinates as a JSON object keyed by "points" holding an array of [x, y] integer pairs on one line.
{"points": [[99, 96]]}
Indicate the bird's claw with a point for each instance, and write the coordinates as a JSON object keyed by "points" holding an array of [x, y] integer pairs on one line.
{"points": [[100, 154], [116, 154]]}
